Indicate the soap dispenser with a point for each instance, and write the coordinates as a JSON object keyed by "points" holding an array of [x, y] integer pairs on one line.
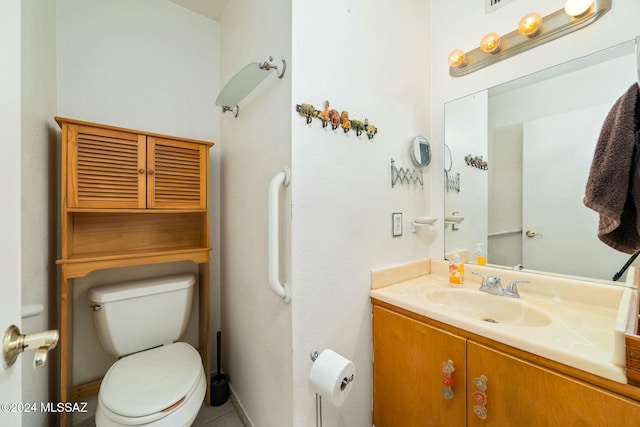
{"points": [[481, 256], [456, 271]]}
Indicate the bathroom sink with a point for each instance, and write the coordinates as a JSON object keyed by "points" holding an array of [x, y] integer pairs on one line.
{"points": [[488, 308]]}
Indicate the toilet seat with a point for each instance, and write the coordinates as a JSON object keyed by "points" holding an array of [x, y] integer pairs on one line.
{"points": [[148, 386]]}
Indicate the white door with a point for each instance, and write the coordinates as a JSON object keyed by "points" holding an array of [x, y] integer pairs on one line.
{"points": [[558, 151], [10, 379]]}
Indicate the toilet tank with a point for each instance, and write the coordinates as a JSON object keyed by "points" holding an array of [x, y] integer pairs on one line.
{"points": [[141, 314]]}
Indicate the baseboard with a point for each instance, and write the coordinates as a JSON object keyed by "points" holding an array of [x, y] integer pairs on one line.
{"points": [[239, 409]]}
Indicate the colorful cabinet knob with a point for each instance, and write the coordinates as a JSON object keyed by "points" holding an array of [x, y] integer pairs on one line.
{"points": [[480, 382], [480, 397], [447, 379], [447, 367], [480, 411], [447, 393]]}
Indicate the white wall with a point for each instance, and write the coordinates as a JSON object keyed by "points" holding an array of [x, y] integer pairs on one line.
{"points": [[38, 191], [461, 24], [373, 61], [149, 65], [341, 195], [256, 324]]}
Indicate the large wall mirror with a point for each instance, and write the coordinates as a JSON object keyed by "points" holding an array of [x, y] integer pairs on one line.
{"points": [[537, 136]]}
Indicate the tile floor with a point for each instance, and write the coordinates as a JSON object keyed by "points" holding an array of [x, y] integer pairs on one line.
{"points": [[212, 416], [218, 416]]}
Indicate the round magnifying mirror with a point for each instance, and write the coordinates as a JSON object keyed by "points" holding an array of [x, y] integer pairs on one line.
{"points": [[420, 151], [448, 161]]}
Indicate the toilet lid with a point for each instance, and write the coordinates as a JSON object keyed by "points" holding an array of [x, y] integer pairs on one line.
{"points": [[150, 381]]}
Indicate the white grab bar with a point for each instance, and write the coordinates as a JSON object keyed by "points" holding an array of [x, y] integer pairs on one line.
{"points": [[283, 291], [505, 232]]}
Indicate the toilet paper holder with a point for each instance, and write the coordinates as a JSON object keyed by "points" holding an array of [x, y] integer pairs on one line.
{"points": [[343, 385], [345, 381]]}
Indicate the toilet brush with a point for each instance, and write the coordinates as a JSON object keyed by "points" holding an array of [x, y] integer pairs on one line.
{"points": [[219, 381]]}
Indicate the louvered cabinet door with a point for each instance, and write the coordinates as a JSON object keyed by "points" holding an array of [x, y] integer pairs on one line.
{"points": [[177, 174], [106, 168]]}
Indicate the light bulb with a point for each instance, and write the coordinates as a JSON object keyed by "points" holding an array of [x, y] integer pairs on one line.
{"points": [[490, 43], [457, 58], [577, 7], [530, 25]]}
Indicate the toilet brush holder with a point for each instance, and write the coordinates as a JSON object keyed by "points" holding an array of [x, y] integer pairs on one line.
{"points": [[219, 381]]}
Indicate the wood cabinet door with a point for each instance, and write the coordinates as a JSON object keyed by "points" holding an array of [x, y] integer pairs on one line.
{"points": [[407, 373], [105, 168], [177, 175], [519, 393]]}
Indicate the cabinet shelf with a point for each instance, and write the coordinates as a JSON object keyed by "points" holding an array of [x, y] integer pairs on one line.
{"points": [[81, 266]]}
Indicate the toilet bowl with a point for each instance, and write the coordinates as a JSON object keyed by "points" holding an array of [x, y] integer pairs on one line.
{"points": [[164, 386], [158, 382]]}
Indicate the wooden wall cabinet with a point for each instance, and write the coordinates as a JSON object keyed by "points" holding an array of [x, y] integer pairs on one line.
{"points": [[129, 198], [112, 168], [407, 382]]}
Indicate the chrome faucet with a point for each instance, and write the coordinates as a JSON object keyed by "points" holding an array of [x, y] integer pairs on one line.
{"points": [[490, 284], [493, 285]]}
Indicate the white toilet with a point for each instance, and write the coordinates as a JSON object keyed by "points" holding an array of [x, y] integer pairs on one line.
{"points": [[158, 382]]}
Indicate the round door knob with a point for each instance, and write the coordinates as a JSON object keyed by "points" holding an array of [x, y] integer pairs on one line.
{"points": [[532, 234], [141, 171]]}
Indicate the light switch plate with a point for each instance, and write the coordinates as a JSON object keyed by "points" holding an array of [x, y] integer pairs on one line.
{"points": [[396, 224]]}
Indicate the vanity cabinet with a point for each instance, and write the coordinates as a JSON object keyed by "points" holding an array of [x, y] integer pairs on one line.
{"points": [[407, 373], [128, 198], [407, 378]]}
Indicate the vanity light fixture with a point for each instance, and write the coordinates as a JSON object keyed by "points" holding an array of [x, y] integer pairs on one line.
{"points": [[490, 43], [533, 30], [577, 8], [530, 25], [457, 58]]}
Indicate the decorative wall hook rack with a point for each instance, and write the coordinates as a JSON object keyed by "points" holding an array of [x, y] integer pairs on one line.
{"points": [[476, 162], [405, 175], [245, 81], [336, 119]]}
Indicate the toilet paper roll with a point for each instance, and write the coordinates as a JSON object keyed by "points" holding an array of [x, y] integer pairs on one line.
{"points": [[332, 376]]}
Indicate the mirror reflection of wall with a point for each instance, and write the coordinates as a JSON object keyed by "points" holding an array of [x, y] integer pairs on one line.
{"points": [[540, 139], [466, 133]]}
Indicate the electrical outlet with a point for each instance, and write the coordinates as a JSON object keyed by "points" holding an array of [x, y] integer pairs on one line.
{"points": [[396, 221]]}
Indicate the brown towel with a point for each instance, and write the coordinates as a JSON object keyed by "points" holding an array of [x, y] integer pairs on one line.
{"points": [[613, 187]]}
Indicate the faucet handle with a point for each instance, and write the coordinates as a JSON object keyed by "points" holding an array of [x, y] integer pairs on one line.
{"points": [[488, 282], [484, 278], [512, 289]]}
